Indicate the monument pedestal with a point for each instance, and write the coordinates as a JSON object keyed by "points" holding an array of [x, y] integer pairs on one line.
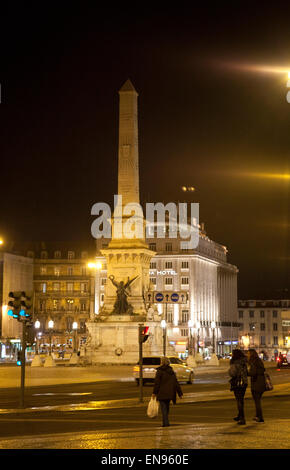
{"points": [[116, 340], [36, 361], [213, 361]]}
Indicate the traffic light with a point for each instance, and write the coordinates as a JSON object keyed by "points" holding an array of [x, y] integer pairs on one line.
{"points": [[26, 305], [14, 304], [143, 334]]}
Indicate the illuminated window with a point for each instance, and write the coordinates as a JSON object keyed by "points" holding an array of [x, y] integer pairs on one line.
{"points": [[42, 270], [56, 271], [43, 287], [56, 286]]}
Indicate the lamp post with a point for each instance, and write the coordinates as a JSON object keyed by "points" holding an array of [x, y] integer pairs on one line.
{"points": [[197, 324], [163, 326], [50, 328], [75, 329], [213, 325], [37, 326], [191, 347]]}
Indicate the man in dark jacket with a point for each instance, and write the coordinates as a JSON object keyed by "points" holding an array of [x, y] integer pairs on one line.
{"points": [[165, 387]]}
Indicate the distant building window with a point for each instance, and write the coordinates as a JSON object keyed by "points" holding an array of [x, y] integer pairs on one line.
{"points": [[184, 280], [84, 271], [153, 280], [84, 287], [263, 340], [275, 326], [70, 286], [30, 254], [275, 340], [83, 306], [184, 331], [71, 254], [102, 297], [252, 326], [42, 270], [169, 317], [56, 271], [56, 286], [70, 271], [275, 313], [241, 327], [168, 281], [57, 254], [69, 323], [104, 281], [84, 254], [70, 304], [184, 316], [153, 265], [55, 304], [252, 313], [168, 265], [262, 314], [262, 326], [152, 246], [43, 255], [168, 247], [184, 265], [241, 314]]}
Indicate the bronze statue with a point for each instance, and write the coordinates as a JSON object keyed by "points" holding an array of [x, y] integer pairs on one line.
{"points": [[121, 304]]}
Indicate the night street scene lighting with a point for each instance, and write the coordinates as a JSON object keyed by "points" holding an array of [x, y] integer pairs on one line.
{"points": [[145, 233]]}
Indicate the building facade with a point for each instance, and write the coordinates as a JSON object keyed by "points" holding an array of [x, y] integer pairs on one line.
{"points": [[208, 321], [16, 274], [265, 325], [63, 294]]}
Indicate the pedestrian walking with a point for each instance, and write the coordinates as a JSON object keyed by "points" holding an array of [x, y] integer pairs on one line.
{"points": [[256, 371], [165, 388], [239, 382]]}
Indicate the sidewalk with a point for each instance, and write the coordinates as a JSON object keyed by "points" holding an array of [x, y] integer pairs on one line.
{"points": [[179, 436]]}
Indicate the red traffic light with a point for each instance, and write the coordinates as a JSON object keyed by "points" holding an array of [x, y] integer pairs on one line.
{"points": [[143, 334]]}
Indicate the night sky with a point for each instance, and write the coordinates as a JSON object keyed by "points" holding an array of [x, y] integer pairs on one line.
{"points": [[205, 120]]}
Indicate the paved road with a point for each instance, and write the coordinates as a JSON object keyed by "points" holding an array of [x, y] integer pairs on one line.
{"points": [[203, 419]]}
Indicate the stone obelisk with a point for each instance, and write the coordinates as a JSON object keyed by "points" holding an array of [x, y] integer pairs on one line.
{"points": [[113, 336], [127, 257]]}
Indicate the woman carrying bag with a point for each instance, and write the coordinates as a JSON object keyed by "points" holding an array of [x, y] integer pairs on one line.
{"points": [[239, 382], [256, 371], [165, 388]]}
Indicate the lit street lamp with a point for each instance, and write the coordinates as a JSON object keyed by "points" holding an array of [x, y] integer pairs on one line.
{"points": [[163, 326], [75, 328]]}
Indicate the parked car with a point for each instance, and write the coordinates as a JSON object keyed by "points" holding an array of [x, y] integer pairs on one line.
{"points": [[282, 361], [151, 363]]}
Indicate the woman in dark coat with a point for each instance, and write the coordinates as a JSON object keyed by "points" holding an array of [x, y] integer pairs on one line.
{"points": [[239, 381], [165, 388], [256, 371]]}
